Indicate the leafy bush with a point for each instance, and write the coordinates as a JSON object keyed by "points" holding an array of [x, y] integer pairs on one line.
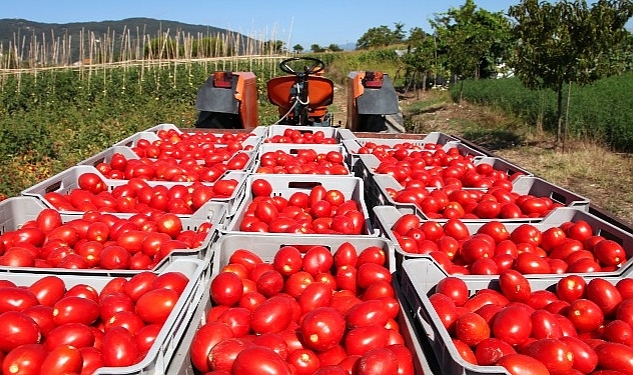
{"points": [[602, 111]]}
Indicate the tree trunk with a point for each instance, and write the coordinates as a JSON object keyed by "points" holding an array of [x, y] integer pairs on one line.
{"points": [[541, 112], [559, 111], [461, 90], [567, 116]]}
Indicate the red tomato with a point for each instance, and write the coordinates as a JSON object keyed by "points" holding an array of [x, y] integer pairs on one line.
{"points": [[64, 359], [205, 338], [119, 348], [258, 360], [24, 359], [223, 354], [553, 353], [75, 310], [515, 286], [155, 305], [360, 340], [585, 358], [323, 328], [261, 188], [48, 290], [471, 329], [226, 289], [455, 288], [512, 324], [17, 328], [377, 360], [490, 350], [521, 364], [614, 356], [605, 295], [272, 315], [585, 315]]}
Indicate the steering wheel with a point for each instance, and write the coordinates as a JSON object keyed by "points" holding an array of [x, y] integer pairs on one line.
{"points": [[316, 67]]}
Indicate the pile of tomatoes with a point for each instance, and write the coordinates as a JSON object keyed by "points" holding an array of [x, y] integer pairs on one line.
{"points": [[312, 313], [571, 247], [50, 328], [305, 161], [208, 169], [137, 196], [577, 326], [320, 211], [496, 202], [98, 240], [301, 137], [197, 145]]}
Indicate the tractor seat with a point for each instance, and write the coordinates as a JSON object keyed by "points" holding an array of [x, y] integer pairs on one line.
{"points": [[320, 91]]}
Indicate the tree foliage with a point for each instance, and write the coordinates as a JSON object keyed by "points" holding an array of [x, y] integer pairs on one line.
{"points": [[472, 39], [568, 42], [298, 48], [420, 58], [381, 36], [317, 48]]}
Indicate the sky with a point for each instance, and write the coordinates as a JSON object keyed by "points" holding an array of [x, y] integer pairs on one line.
{"points": [[306, 23]]}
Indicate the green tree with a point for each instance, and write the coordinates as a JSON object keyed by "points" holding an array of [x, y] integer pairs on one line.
{"points": [[334, 48], [420, 58], [298, 48], [380, 37], [473, 40], [316, 48], [567, 42]]}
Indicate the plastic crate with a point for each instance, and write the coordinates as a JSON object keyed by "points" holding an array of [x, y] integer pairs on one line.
{"points": [[364, 165], [330, 132], [16, 211], [430, 138], [266, 247], [418, 280], [181, 363], [161, 353], [522, 185], [286, 185], [259, 131], [294, 149], [133, 140], [386, 217], [64, 182]]}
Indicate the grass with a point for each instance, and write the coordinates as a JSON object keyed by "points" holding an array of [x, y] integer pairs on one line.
{"points": [[583, 167]]}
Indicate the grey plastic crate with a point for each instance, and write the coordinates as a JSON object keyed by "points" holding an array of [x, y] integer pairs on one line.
{"points": [[419, 278], [161, 353], [386, 217], [430, 138], [294, 149], [266, 246], [330, 132], [181, 363], [16, 211], [65, 181], [286, 185], [159, 127], [522, 185], [150, 136]]}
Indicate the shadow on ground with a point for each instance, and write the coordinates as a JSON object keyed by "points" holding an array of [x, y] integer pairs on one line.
{"points": [[493, 139]]}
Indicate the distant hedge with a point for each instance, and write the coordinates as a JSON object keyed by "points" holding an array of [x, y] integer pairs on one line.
{"points": [[602, 111]]}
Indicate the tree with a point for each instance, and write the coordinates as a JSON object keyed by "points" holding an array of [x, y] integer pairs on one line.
{"points": [[567, 42], [380, 37], [334, 48], [316, 48], [298, 48], [419, 59], [472, 40]]}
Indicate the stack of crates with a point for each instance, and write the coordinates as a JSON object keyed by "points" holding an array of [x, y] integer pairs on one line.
{"points": [[215, 230]]}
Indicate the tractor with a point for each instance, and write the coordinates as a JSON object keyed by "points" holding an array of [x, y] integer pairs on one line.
{"points": [[229, 99]]}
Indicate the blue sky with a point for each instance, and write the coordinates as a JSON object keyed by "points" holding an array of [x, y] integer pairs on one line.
{"points": [[294, 22]]}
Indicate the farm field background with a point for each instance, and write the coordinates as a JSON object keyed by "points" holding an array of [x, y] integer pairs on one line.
{"points": [[50, 119]]}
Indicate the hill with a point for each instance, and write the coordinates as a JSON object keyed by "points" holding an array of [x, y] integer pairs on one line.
{"points": [[21, 32]]}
